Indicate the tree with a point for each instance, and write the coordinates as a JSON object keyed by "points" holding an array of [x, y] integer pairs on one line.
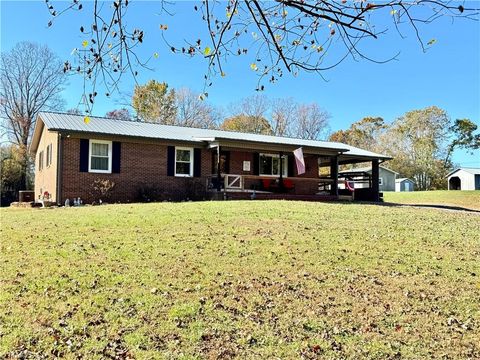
{"points": [[311, 122], [285, 35], [418, 143], [154, 102], [74, 111], [365, 133], [119, 114], [463, 137], [194, 112], [13, 172], [246, 123], [284, 113], [31, 81]]}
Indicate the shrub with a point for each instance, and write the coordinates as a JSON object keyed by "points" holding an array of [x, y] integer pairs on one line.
{"points": [[102, 189]]}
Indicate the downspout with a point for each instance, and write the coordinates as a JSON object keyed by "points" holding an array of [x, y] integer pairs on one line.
{"points": [[59, 168]]}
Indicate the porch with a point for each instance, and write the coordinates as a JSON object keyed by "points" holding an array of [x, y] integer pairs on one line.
{"points": [[269, 171]]}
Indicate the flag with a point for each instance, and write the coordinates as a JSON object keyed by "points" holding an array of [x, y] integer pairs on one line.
{"points": [[298, 153]]}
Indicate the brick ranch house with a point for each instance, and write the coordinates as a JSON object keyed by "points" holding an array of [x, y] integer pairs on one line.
{"points": [[162, 162]]}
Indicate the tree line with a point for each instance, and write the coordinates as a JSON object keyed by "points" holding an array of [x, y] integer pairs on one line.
{"points": [[155, 102]]}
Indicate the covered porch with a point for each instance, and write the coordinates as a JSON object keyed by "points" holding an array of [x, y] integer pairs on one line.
{"points": [[268, 171]]}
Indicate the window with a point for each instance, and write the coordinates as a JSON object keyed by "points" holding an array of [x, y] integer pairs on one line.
{"points": [[183, 161], [270, 165], [40, 160], [49, 155], [380, 181], [100, 157]]}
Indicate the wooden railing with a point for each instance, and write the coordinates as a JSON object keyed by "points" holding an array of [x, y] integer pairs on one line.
{"points": [[237, 182]]}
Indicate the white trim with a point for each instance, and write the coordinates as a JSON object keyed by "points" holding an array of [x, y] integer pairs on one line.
{"points": [[285, 168], [109, 143], [191, 161], [380, 180]]}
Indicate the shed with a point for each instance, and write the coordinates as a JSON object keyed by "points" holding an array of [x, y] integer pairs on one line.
{"points": [[464, 179], [386, 178], [404, 184]]}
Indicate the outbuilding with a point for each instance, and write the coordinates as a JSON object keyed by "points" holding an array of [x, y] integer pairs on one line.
{"points": [[464, 179], [404, 184]]}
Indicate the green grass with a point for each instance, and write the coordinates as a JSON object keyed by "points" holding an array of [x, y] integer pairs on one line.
{"points": [[243, 279], [466, 199]]}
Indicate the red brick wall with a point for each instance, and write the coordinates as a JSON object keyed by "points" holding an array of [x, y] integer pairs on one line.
{"points": [[143, 165]]}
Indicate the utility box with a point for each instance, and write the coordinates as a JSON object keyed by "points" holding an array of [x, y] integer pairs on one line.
{"points": [[26, 196]]}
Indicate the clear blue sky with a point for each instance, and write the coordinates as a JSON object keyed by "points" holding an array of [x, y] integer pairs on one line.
{"points": [[447, 75]]}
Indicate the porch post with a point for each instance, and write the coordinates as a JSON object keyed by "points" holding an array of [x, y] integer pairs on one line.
{"points": [[280, 184], [375, 181], [334, 175], [219, 174]]}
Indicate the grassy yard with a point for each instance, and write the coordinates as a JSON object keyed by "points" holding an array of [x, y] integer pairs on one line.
{"points": [[466, 199], [244, 279]]}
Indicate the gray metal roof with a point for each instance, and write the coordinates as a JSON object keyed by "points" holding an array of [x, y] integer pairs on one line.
{"points": [[75, 123], [366, 169]]}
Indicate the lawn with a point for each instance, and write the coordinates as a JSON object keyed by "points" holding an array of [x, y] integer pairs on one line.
{"points": [[466, 199], [244, 279]]}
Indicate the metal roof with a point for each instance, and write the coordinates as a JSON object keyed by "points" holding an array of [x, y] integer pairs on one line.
{"points": [[402, 180], [75, 123], [366, 169], [473, 171]]}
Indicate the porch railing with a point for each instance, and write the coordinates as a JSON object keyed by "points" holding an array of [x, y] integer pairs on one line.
{"points": [[235, 182]]}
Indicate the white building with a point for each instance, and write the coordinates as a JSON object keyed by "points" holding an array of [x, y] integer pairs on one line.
{"points": [[464, 179]]}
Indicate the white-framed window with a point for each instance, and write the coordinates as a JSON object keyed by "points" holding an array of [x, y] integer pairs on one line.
{"points": [[49, 155], [40, 160], [270, 165], [183, 161], [380, 181], [100, 156]]}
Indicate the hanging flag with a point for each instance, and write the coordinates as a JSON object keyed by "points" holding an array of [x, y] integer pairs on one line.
{"points": [[298, 153]]}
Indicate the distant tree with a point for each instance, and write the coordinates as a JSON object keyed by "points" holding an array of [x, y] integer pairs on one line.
{"points": [[365, 133], [311, 122], [31, 80], [284, 113], [194, 112], [119, 114], [12, 172], [285, 117], [418, 143], [154, 102], [74, 111], [248, 124], [463, 137]]}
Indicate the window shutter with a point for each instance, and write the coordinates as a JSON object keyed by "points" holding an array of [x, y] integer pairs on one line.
{"points": [[256, 163], [170, 160], [84, 143], [197, 162], [291, 166], [116, 155]]}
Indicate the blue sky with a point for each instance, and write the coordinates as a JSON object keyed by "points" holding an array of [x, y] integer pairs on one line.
{"points": [[447, 75]]}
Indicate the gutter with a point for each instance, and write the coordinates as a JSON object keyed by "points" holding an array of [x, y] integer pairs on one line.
{"points": [[59, 168]]}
